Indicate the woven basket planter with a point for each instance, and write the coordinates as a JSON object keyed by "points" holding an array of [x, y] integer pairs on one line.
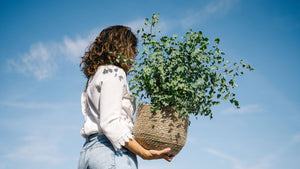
{"points": [[161, 130]]}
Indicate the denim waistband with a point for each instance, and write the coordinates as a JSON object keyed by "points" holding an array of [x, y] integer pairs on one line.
{"points": [[96, 136]]}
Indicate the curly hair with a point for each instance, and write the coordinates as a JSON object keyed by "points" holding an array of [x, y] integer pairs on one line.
{"points": [[116, 45]]}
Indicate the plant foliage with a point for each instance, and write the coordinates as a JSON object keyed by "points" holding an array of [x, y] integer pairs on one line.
{"points": [[185, 72]]}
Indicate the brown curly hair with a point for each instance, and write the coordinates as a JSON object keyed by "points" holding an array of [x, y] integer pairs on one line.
{"points": [[116, 45]]}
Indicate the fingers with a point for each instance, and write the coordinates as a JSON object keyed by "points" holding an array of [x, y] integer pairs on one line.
{"points": [[164, 154], [168, 158], [165, 151], [161, 154]]}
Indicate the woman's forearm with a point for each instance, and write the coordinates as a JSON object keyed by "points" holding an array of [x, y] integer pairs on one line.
{"points": [[133, 146], [136, 148]]}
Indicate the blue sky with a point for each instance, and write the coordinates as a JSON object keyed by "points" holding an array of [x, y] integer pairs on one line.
{"points": [[41, 83]]}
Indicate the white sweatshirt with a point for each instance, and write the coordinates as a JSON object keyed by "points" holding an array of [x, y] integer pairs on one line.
{"points": [[108, 106]]}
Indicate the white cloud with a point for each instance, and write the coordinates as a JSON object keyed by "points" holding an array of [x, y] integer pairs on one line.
{"points": [[191, 140], [220, 6], [264, 163], [36, 105], [214, 8], [236, 163], [37, 151], [252, 108], [73, 49], [43, 58], [43, 140], [38, 61], [136, 24]]}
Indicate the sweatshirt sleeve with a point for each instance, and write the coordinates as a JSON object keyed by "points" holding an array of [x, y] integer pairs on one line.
{"points": [[111, 123]]}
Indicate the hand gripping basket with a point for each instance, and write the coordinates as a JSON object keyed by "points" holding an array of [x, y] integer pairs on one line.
{"points": [[161, 130]]}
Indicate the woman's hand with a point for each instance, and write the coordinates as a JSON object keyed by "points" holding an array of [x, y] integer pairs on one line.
{"points": [[158, 154], [136, 148]]}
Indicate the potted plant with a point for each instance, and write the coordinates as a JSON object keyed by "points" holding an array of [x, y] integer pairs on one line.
{"points": [[175, 77]]}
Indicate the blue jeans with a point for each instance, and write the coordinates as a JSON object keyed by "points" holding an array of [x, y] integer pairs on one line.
{"points": [[98, 153]]}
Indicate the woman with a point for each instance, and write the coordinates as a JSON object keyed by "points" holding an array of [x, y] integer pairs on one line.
{"points": [[107, 104]]}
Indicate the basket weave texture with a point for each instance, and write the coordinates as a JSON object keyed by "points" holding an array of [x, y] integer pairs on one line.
{"points": [[161, 130]]}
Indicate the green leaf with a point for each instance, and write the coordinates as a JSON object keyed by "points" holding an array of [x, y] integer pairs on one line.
{"points": [[213, 67], [236, 103], [226, 97]]}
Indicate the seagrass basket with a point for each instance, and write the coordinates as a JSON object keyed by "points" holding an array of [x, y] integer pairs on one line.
{"points": [[160, 130]]}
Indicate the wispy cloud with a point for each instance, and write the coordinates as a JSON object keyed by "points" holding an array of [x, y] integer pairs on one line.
{"points": [[191, 140], [214, 8], [38, 61], [37, 150], [252, 108], [72, 49], [43, 146], [219, 6], [135, 24], [236, 163], [266, 162], [43, 140], [43, 59], [36, 105]]}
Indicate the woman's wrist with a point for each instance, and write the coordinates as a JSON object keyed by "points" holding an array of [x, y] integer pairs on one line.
{"points": [[136, 148], [145, 154]]}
